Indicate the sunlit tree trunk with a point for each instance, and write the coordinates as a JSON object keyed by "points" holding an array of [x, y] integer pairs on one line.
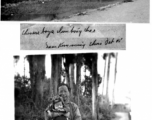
{"points": [[103, 83], [67, 74], [67, 64], [71, 74], [51, 81], [56, 71], [113, 98], [108, 75], [69, 61], [24, 67], [94, 87]]}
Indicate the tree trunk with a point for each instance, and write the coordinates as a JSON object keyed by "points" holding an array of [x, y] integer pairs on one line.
{"points": [[51, 82], [94, 87], [37, 74], [67, 75], [56, 72], [78, 77], [104, 79], [108, 74], [31, 70], [39, 65], [113, 99], [69, 59], [71, 74]]}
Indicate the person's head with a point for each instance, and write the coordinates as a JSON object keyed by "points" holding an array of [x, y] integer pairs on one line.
{"points": [[64, 92]]}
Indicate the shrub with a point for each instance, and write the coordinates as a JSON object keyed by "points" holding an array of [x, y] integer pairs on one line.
{"points": [[106, 112], [86, 108]]}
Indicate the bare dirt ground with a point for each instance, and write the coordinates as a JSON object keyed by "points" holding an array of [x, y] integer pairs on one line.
{"points": [[122, 112], [136, 12], [121, 116]]}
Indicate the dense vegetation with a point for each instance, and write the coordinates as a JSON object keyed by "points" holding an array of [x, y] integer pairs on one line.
{"points": [[32, 94], [25, 107]]}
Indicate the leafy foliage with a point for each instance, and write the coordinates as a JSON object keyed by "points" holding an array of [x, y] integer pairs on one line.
{"points": [[106, 112], [25, 107], [22, 83], [88, 85], [85, 107]]}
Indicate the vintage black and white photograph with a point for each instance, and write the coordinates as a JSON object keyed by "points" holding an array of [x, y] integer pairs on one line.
{"points": [[72, 86], [135, 11]]}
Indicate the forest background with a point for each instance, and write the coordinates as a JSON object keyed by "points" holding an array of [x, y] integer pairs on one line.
{"points": [[81, 73]]}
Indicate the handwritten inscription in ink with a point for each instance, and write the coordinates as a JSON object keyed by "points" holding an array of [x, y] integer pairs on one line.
{"points": [[61, 30], [73, 37], [83, 44]]}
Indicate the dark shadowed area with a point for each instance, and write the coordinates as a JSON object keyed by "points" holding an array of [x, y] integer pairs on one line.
{"points": [[48, 10]]}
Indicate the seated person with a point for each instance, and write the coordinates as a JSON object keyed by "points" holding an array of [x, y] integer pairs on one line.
{"points": [[62, 108]]}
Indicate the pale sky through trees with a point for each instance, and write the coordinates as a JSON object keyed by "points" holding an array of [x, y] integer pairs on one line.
{"points": [[122, 87]]}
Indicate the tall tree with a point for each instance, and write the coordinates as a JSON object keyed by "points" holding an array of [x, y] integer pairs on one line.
{"points": [[51, 81], [56, 72], [108, 75], [72, 84], [31, 71], [69, 60], [94, 87], [37, 75], [113, 99], [68, 73], [105, 58], [78, 75]]}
